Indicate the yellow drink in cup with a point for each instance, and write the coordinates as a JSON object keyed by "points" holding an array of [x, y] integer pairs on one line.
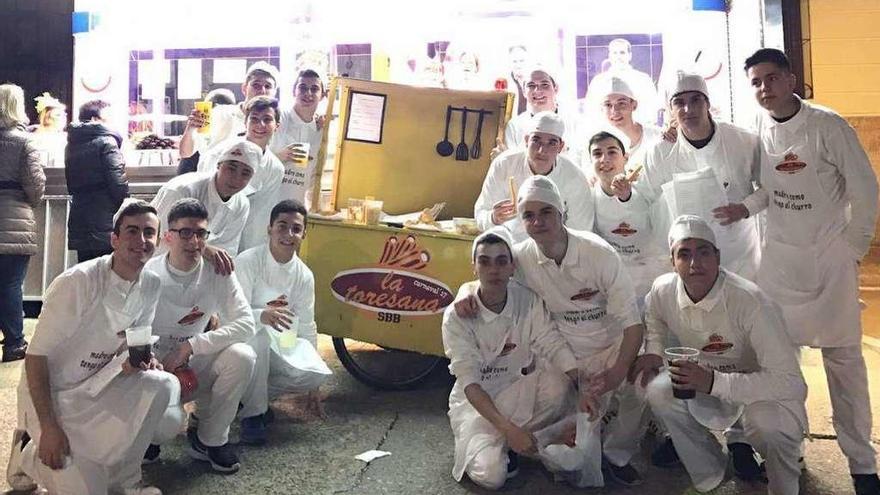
{"points": [[302, 148], [205, 108]]}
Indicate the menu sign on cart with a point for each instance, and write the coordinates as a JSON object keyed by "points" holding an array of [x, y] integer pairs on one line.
{"points": [[366, 116]]}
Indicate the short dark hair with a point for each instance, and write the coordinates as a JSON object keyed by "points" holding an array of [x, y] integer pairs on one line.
{"points": [[220, 96], [187, 208], [91, 109], [288, 206], [310, 73], [771, 55], [492, 239], [133, 209], [601, 136], [261, 103]]}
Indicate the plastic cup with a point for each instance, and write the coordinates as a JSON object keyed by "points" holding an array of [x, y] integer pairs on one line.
{"points": [[674, 355], [139, 347], [304, 161], [205, 107], [287, 339]]}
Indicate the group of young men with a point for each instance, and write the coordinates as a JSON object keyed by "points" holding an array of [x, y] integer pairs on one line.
{"points": [[211, 269], [764, 230]]}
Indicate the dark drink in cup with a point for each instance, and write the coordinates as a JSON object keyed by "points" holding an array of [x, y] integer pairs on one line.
{"points": [[139, 354], [674, 355]]}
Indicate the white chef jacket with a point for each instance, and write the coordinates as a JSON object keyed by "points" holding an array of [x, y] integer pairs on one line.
{"points": [[820, 222], [187, 301], [263, 280], [733, 157], [740, 333], [638, 154], [628, 227], [568, 178], [589, 295], [226, 219], [262, 192], [227, 121], [493, 350], [85, 312], [298, 182]]}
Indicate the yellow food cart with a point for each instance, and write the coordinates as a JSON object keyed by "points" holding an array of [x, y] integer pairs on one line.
{"points": [[381, 289]]}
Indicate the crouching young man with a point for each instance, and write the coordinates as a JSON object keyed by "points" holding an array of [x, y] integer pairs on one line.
{"points": [[221, 359], [743, 367], [504, 389], [88, 412]]}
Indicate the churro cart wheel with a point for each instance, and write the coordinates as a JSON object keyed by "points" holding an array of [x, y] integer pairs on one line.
{"points": [[384, 368]]}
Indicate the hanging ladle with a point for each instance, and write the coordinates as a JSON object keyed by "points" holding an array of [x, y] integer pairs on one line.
{"points": [[445, 148]]}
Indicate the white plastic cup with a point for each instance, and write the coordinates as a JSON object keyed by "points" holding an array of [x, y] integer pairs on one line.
{"points": [[287, 339]]}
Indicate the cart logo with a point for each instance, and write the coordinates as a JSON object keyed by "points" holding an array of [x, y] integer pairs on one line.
{"points": [[191, 317], [791, 164], [394, 286], [716, 345], [624, 230]]}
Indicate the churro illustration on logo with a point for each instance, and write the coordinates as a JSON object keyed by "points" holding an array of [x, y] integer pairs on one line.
{"points": [[191, 317], [790, 164], [624, 230], [584, 294], [716, 345], [278, 302]]}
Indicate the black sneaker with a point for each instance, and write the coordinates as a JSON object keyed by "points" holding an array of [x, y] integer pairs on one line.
{"points": [[866, 484], [512, 464], [223, 459], [14, 353], [623, 475], [745, 466], [151, 456], [665, 455]]}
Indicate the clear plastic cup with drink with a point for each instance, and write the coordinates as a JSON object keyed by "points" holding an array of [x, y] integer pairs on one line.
{"points": [[140, 347], [675, 355]]}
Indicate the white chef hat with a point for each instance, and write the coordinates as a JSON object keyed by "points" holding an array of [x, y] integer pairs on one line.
{"points": [[549, 122], [263, 67], [244, 152], [685, 82], [613, 85], [499, 231], [128, 204], [541, 68], [690, 227], [539, 188]]}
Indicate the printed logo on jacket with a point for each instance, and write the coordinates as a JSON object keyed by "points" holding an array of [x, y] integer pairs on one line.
{"points": [[394, 286], [790, 164]]}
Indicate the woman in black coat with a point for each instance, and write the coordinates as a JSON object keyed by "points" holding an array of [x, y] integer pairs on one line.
{"points": [[95, 172]]}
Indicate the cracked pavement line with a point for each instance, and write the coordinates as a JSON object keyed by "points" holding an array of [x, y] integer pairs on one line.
{"points": [[360, 475]]}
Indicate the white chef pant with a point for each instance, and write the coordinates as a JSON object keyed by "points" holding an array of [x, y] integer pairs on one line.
{"points": [[850, 405], [768, 426], [84, 476], [622, 436], [223, 379], [256, 397], [488, 467]]}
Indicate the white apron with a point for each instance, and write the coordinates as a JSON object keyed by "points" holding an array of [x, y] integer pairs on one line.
{"points": [[299, 367], [630, 233], [708, 187], [181, 313], [587, 329], [807, 268], [113, 412], [512, 391]]}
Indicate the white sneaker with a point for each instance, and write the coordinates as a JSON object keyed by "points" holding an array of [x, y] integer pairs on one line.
{"points": [[142, 490], [17, 479]]}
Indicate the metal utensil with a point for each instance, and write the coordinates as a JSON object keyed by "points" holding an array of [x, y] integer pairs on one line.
{"points": [[445, 147], [476, 148], [462, 152]]}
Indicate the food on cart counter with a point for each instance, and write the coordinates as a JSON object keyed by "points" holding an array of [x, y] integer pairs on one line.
{"points": [[465, 226], [372, 211], [355, 211], [153, 142], [427, 219]]}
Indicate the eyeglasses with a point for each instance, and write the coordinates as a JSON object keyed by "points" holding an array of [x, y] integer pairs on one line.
{"points": [[303, 88], [187, 234]]}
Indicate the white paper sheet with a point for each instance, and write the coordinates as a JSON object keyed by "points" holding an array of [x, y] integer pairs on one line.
{"points": [[365, 117], [189, 79], [371, 455], [697, 193]]}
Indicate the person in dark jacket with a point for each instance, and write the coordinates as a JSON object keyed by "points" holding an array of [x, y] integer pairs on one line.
{"points": [[22, 183], [95, 172]]}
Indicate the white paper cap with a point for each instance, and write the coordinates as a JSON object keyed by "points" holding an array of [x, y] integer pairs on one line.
{"points": [[541, 68], [125, 204], [244, 152], [685, 82], [690, 227], [498, 230], [549, 122], [613, 86], [539, 188], [265, 67]]}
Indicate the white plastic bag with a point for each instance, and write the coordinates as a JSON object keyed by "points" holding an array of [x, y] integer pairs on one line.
{"points": [[581, 465]]}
